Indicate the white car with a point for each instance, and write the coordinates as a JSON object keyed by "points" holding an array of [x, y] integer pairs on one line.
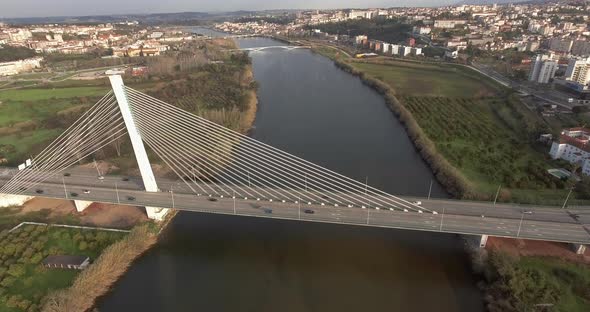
{"points": [[417, 203], [86, 191]]}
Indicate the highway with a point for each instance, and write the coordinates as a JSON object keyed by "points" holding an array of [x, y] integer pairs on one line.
{"points": [[437, 215]]}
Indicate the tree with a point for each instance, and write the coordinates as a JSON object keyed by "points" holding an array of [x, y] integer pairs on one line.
{"points": [[83, 245], [16, 270]]}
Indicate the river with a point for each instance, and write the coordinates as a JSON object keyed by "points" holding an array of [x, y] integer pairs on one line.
{"points": [[226, 263]]}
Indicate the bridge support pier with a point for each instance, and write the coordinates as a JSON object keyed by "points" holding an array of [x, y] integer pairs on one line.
{"points": [[580, 249], [483, 241], [81, 205], [145, 168]]}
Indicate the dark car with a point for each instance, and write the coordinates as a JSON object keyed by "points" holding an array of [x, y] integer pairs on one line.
{"points": [[267, 210], [130, 198], [39, 191], [212, 199], [309, 211], [125, 179], [74, 194], [67, 174]]}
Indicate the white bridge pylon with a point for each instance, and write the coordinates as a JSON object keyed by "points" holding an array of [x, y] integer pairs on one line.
{"points": [[213, 161], [145, 168]]}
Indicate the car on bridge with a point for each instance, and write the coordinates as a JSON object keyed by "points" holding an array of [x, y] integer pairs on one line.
{"points": [[39, 191], [308, 211], [267, 210], [130, 198], [73, 194]]}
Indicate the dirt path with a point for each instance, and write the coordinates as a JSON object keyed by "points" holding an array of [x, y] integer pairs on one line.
{"points": [[521, 247], [102, 215]]}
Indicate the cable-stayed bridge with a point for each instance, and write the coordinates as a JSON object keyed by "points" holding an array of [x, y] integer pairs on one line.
{"points": [[222, 171]]}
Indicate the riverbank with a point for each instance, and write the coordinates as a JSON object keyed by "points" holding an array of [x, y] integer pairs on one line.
{"points": [[450, 112], [519, 275], [97, 280], [453, 181]]}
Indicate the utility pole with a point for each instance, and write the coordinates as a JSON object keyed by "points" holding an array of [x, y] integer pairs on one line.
{"points": [[520, 224], [172, 193], [63, 180], [430, 189], [117, 191], [567, 197], [497, 193], [442, 218], [97, 169]]}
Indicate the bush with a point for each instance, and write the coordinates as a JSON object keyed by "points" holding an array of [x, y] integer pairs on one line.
{"points": [[83, 245]]}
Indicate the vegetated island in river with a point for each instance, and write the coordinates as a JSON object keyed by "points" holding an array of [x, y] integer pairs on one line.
{"points": [[446, 109], [201, 77]]}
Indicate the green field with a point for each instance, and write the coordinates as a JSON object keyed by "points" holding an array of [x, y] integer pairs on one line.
{"points": [[413, 78], [477, 126], [573, 281], [30, 118], [518, 284], [24, 281], [29, 104]]}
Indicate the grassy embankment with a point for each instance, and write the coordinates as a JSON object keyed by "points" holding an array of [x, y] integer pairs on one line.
{"points": [[97, 279], [475, 134], [24, 281], [516, 284]]}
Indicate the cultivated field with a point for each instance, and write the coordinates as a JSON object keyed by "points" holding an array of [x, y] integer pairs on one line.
{"points": [[24, 281], [478, 126], [413, 78]]}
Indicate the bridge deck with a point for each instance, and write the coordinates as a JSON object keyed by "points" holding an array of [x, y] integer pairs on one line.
{"points": [[542, 223]]}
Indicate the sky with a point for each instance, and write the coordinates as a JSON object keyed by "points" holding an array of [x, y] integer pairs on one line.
{"points": [[43, 8]]}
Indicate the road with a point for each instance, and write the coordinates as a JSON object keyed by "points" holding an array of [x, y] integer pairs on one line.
{"points": [[546, 94], [438, 215]]}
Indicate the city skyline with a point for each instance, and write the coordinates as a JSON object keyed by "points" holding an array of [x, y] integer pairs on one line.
{"points": [[53, 8]]}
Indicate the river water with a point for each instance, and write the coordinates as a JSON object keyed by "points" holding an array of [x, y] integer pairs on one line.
{"points": [[226, 263]]}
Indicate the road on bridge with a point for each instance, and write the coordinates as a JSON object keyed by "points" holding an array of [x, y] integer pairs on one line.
{"points": [[438, 215]]}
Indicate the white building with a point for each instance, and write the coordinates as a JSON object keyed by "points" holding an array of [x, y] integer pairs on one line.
{"points": [[405, 51], [16, 67], [448, 23], [578, 71], [543, 69], [573, 147], [358, 40], [386, 48], [422, 30], [395, 49]]}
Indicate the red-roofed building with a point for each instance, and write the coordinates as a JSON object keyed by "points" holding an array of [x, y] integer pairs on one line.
{"points": [[573, 146]]}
